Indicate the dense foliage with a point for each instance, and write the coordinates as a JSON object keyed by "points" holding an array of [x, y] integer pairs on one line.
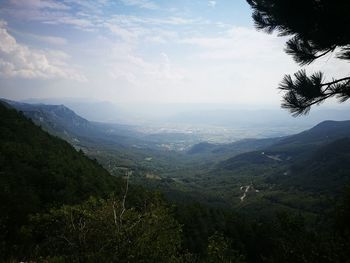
{"points": [[57, 205], [38, 171], [105, 231]]}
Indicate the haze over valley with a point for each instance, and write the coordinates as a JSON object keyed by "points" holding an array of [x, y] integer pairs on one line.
{"points": [[218, 123], [174, 131], [198, 159]]}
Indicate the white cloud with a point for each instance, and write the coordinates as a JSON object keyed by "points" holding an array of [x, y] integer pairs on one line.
{"points": [[238, 43], [18, 60], [123, 32], [53, 40], [40, 4], [55, 12], [88, 15], [80, 23], [130, 20], [89, 6], [175, 55], [141, 4], [125, 65], [212, 3]]}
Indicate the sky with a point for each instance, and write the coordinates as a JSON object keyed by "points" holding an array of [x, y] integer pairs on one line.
{"points": [[142, 51]]}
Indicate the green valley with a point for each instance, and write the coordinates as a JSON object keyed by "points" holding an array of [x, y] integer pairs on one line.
{"points": [[210, 190]]}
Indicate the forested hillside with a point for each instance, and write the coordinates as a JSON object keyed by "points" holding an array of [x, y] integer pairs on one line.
{"points": [[39, 173], [60, 206], [150, 131]]}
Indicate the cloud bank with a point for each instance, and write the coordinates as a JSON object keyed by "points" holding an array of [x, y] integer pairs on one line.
{"points": [[18, 60]]}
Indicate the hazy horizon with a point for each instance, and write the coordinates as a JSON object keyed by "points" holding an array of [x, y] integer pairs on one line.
{"points": [[201, 116], [143, 52]]}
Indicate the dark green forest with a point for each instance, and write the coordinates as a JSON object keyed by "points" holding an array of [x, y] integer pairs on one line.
{"points": [[203, 183], [58, 205]]}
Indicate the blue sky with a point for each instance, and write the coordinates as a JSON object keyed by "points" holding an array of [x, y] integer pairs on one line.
{"points": [[142, 51]]}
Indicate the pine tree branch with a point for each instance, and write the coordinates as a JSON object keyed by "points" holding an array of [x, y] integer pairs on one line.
{"points": [[331, 49], [320, 100], [312, 37], [306, 91], [335, 81]]}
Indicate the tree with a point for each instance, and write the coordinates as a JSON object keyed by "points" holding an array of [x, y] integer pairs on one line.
{"points": [[219, 250], [317, 28], [103, 230]]}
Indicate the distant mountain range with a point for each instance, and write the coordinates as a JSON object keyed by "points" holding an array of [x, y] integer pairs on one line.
{"points": [[267, 121], [251, 118], [65, 123], [99, 111], [210, 149], [314, 160], [322, 133], [317, 159], [103, 141]]}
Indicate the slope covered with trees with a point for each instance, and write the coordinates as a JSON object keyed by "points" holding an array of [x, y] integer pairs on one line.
{"points": [[38, 171], [60, 206], [45, 185]]}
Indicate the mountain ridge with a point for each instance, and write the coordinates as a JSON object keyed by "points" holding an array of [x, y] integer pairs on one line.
{"points": [[65, 123], [38, 170]]}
